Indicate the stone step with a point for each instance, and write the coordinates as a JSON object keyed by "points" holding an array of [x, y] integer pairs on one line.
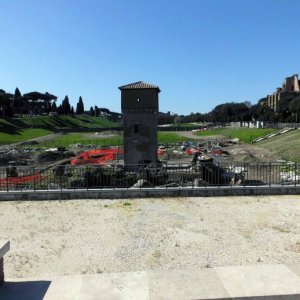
{"points": [[241, 282]]}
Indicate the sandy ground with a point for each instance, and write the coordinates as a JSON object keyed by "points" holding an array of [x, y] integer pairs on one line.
{"points": [[94, 236]]}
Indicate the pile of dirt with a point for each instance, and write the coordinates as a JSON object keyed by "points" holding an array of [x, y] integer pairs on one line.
{"points": [[248, 153]]}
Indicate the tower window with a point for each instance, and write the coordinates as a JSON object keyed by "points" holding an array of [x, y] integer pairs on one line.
{"points": [[138, 100], [136, 128]]}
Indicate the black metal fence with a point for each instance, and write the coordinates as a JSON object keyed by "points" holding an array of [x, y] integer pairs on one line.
{"points": [[199, 174]]}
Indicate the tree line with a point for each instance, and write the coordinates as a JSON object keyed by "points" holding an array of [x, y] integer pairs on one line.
{"points": [[288, 111], [36, 103]]}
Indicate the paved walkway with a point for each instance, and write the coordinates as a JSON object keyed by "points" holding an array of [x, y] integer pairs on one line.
{"points": [[244, 282]]}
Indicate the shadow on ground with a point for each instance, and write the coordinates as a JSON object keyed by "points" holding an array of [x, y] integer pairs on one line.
{"points": [[26, 290], [273, 297]]}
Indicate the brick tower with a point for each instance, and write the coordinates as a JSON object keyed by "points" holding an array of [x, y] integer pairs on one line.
{"points": [[139, 103]]}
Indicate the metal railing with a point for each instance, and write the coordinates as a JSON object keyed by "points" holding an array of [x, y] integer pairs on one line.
{"points": [[166, 175]]}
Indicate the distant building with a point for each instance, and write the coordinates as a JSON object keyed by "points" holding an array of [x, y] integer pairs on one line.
{"points": [[139, 103], [290, 87]]}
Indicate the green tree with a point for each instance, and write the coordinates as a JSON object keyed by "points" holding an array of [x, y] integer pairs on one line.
{"points": [[97, 111], [294, 107], [18, 101], [65, 106], [6, 100], [80, 106], [92, 111], [230, 112], [53, 107]]}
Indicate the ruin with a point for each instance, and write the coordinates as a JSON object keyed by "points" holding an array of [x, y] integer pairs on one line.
{"points": [[139, 102], [291, 86]]}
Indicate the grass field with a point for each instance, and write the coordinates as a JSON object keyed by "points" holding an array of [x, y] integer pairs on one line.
{"points": [[168, 137], [21, 135], [86, 138], [246, 135]]}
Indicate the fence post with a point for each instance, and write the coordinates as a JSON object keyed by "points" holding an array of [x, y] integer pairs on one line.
{"points": [[7, 186], [269, 174], [244, 174], [295, 176], [280, 169], [218, 175], [87, 178], [60, 182], [33, 179]]}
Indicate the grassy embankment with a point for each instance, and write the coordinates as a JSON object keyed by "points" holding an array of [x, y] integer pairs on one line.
{"points": [[286, 145], [12, 133], [246, 135], [21, 135], [69, 122], [18, 130]]}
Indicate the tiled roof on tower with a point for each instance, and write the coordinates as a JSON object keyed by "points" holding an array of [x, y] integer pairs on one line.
{"points": [[139, 85]]}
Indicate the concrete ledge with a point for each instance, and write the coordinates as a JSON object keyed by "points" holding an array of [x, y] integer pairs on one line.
{"points": [[149, 193]]}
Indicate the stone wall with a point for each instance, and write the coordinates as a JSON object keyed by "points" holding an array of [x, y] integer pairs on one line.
{"points": [[120, 193]]}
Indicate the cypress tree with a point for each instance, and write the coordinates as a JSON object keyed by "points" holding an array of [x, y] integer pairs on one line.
{"points": [[66, 107], [79, 107]]}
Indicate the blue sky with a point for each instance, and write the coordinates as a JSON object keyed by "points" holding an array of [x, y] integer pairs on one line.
{"points": [[200, 53]]}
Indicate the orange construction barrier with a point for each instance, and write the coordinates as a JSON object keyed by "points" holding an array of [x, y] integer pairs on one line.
{"points": [[21, 179], [96, 156]]}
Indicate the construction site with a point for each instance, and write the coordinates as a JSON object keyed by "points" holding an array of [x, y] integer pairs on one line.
{"points": [[142, 161], [208, 161]]}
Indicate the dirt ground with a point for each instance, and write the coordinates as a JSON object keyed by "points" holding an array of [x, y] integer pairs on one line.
{"points": [[240, 152], [94, 236]]}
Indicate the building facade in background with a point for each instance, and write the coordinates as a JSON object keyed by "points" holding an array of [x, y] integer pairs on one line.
{"points": [[290, 87]]}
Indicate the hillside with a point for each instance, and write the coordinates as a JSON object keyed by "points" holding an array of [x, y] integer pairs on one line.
{"points": [[22, 129], [287, 145], [57, 122]]}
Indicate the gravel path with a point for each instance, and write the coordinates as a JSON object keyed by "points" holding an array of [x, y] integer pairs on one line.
{"points": [[93, 236], [191, 135]]}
